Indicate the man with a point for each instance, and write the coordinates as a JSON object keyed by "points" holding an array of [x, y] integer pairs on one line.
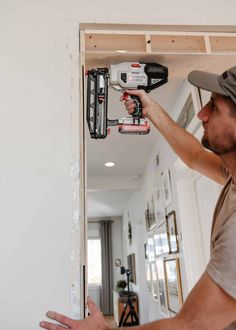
{"points": [[211, 305]]}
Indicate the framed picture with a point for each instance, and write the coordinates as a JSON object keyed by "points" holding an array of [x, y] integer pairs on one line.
{"points": [[145, 251], [151, 251], [173, 285], [159, 205], [187, 113], [132, 267], [148, 277], [161, 240], [188, 106], [154, 281], [166, 188], [172, 232], [147, 218], [161, 287], [152, 219]]}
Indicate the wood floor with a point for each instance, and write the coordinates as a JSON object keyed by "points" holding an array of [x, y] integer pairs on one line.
{"points": [[111, 322]]}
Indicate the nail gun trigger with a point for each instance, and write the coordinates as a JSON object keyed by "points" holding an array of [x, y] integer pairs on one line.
{"points": [[126, 96]]}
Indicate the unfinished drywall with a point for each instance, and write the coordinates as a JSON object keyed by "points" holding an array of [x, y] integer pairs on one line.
{"points": [[39, 94]]}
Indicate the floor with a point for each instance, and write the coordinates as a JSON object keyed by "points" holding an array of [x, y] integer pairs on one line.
{"points": [[110, 320]]}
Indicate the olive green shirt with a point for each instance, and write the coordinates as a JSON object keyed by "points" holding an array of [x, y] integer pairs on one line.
{"points": [[222, 265]]}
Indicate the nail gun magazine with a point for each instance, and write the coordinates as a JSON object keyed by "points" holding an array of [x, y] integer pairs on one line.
{"points": [[120, 76]]}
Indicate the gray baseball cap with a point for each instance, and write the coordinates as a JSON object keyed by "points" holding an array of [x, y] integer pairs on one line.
{"points": [[224, 84]]}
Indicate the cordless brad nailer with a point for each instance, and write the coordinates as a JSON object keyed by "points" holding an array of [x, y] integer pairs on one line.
{"points": [[121, 76]]}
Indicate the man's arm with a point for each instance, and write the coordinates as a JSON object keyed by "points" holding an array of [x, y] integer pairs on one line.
{"points": [[184, 144], [207, 307]]}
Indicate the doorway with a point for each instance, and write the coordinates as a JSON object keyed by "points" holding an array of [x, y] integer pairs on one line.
{"points": [[181, 49]]}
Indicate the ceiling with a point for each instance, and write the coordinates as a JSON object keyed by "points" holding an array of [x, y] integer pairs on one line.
{"points": [[129, 152], [109, 189]]}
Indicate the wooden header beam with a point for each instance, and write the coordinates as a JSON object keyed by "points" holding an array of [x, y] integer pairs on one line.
{"points": [[102, 47], [159, 42]]}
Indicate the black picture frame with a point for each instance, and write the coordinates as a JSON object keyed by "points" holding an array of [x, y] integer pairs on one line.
{"points": [[146, 251], [147, 218], [132, 267]]}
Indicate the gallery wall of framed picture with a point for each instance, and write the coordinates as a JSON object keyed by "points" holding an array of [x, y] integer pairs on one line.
{"points": [[162, 229], [162, 248], [161, 225], [159, 201], [164, 283]]}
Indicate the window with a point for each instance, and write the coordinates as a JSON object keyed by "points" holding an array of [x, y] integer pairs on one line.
{"points": [[94, 262]]}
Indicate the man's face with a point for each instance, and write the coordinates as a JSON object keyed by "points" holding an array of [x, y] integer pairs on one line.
{"points": [[219, 125]]}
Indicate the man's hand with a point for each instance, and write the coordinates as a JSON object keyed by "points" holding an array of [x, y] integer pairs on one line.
{"points": [[94, 321], [147, 103]]}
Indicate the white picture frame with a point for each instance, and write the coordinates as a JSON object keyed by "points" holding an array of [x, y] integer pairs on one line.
{"points": [[160, 236], [189, 104], [148, 277], [155, 288], [163, 303], [166, 188], [159, 204], [151, 249], [151, 213]]}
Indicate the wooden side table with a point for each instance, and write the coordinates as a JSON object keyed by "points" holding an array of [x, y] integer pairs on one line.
{"points": [[119, 304]]}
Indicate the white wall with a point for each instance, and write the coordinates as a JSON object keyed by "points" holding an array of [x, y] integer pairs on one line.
{"points": [[38, 93], [35, 144]]}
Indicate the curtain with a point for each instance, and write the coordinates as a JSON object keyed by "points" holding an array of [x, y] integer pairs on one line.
{"points": [[107, 269]]}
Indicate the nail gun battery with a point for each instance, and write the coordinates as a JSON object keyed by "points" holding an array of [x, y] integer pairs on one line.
{"points": [[133, 126]]}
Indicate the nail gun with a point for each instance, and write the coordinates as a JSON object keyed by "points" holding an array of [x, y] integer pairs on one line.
{"points": [[121, 76]]}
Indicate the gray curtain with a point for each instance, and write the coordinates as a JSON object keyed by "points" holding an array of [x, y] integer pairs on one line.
{"points": [[107, 269]]}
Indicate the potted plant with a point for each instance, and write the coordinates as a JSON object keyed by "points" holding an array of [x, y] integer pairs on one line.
{"points": [[120, 285]]}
